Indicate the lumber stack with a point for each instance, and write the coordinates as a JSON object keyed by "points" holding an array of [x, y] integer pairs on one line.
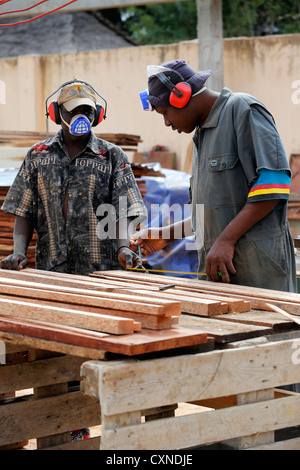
{"points": [[74, 310], [225, 312], [28, 138], [253, 297], [7, 222], [132, 313]]}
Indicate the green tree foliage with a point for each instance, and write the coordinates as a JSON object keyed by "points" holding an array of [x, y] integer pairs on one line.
{"points": [[161, 22], [177, 21], [260, 17]]}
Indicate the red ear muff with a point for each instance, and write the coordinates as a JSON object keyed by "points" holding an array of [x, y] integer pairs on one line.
{"points": [[181, 99], [53, 112], [99, 115]]}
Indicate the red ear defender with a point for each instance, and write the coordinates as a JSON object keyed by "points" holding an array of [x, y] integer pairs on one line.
{"points": [[53, 112], [180, 100], [180, 93], [99, 115]]}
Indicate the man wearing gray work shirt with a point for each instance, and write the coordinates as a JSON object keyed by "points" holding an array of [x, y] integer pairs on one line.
{"points": [[240, 173]]}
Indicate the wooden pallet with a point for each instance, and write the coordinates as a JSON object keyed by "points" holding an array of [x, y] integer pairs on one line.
{"points": [[231, 393], [38, 408]]}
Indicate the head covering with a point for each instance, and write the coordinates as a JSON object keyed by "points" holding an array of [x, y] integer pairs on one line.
{"points": [[76, 94], [177, 71]]}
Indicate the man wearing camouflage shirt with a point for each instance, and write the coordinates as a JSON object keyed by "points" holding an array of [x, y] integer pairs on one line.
{"points": [[77, 191]]}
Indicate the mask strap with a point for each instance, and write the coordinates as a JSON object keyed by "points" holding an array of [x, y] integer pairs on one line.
{"points": [[200, 91]]}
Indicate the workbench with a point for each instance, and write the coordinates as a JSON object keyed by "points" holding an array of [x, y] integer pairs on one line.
{"points": [[221, 389]]}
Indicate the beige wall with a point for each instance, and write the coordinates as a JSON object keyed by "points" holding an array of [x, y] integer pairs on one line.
{"points": [[266, 67]]}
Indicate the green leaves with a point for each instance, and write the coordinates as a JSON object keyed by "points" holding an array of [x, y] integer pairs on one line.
{"points": [[177, 21]]}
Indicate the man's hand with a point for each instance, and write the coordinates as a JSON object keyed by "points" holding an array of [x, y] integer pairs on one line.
{"points": [[128, 259], [15, 262], [219, 260], [220, 256], [149, 241]]}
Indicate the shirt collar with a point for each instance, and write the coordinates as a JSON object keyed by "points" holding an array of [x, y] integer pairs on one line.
{"points": [[214, 114], [93, 142]]}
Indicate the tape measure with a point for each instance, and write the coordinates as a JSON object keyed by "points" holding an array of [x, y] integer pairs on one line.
{"points": [[163, 271]]}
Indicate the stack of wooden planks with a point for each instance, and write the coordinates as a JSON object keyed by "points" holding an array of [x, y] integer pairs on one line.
{"points": [[27, 139], [76, 310], [225, 312], [7, 222], [249, 297], [131, 313]]}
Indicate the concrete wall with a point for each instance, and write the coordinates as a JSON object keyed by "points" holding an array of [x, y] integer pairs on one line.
{"points": [[266, 67]]}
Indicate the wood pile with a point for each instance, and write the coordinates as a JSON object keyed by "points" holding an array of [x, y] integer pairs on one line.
{"points": [[75, 310], [132, 313], [252, 297], [7, 222], [225, 312], [128, 142]]}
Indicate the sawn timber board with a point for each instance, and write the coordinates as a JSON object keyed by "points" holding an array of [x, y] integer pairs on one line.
{"points": [[190, 303], [141, 342], [224, 331], [97, 298], [258, 297]]}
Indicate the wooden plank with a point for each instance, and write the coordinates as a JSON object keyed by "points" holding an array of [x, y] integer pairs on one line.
{"points": [[262, 437], [141, 342], [39, 373], [192, 305], [260, 318], [29, 419], [146, 341], [285, 314], [222, 331], [204, 428], [52, 332], [115, 301], [195, 304], [55, 346], [194, 377], [145, 319], [140, 319], [77, 318], [258, 297], [188, 305]]}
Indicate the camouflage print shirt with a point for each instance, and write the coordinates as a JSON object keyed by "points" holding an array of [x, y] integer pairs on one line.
{"points": [[100, 189]]}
